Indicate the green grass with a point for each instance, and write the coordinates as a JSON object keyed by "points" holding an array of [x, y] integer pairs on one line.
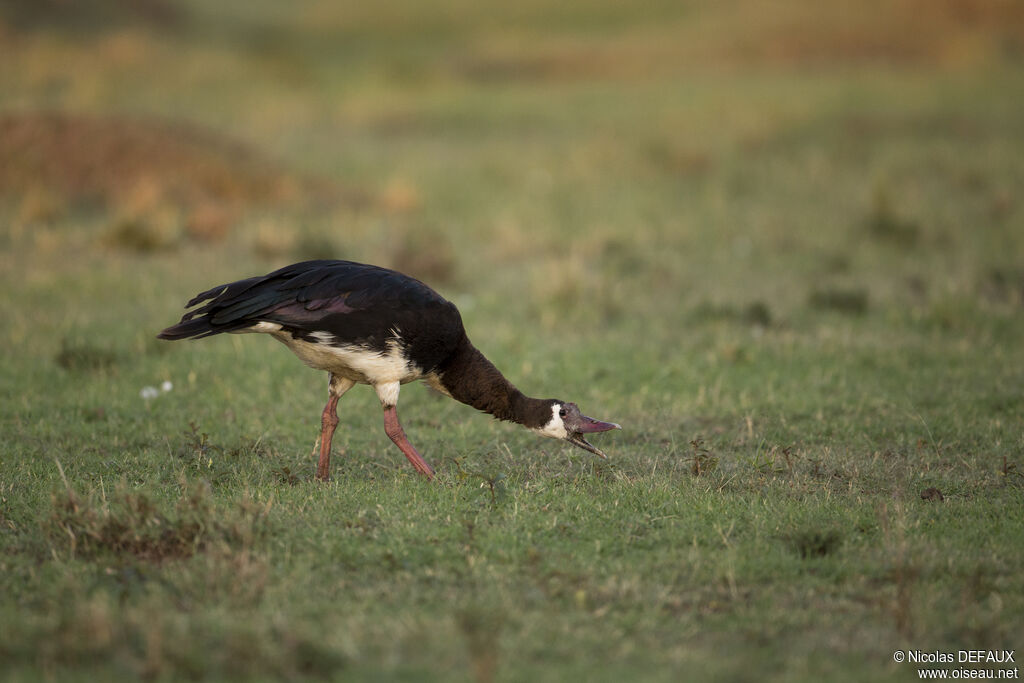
{"points": [[785, 256]]}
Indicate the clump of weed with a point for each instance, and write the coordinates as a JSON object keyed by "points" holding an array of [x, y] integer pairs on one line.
{"points": [[196, 445], [1009, 472], [850, 301], [702, 460], [495, 483], [810, 543], [81, 356], [774, 460], [285, 475], [131, 523]]}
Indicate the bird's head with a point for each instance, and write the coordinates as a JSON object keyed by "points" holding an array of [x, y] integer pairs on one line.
{"points": [[568, 423]]}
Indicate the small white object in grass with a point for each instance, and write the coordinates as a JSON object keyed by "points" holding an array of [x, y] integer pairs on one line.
{"points": [[166, 386], [149, 393]]}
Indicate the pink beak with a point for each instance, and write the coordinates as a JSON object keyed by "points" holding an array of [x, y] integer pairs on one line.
{"points": [[588, 425]]}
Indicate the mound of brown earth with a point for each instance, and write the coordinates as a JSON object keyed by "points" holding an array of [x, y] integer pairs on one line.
{"points": [[110, 158], [140, 168]]}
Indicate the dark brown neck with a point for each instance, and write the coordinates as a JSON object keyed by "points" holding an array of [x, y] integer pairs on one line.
{"points": [[472, 379]]}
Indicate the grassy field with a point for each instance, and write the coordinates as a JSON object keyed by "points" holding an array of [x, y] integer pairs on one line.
{"points": [[783, 247]]}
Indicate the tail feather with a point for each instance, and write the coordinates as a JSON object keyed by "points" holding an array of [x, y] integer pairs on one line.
{"points": [[196, 329], [186, 329], [206, 320]]}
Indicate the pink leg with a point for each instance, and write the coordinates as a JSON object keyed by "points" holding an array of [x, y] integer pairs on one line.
{"points": [[337, 386], [394, 430], [328, 421]]}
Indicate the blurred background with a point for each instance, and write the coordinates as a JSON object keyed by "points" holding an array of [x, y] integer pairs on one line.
{"points": [[649, 169]]}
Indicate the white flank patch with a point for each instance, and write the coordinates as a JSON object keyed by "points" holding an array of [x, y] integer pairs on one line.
{"points": [[356, 363], [555, 428]]}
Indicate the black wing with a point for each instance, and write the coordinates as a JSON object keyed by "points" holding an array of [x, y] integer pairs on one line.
{"points": [[347, 303]]}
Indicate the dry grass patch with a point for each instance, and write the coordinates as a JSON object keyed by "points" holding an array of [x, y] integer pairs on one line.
{"points": [[132, 523]]}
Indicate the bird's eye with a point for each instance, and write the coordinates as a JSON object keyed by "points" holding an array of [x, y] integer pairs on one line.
{"points": [[563, 412]]}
